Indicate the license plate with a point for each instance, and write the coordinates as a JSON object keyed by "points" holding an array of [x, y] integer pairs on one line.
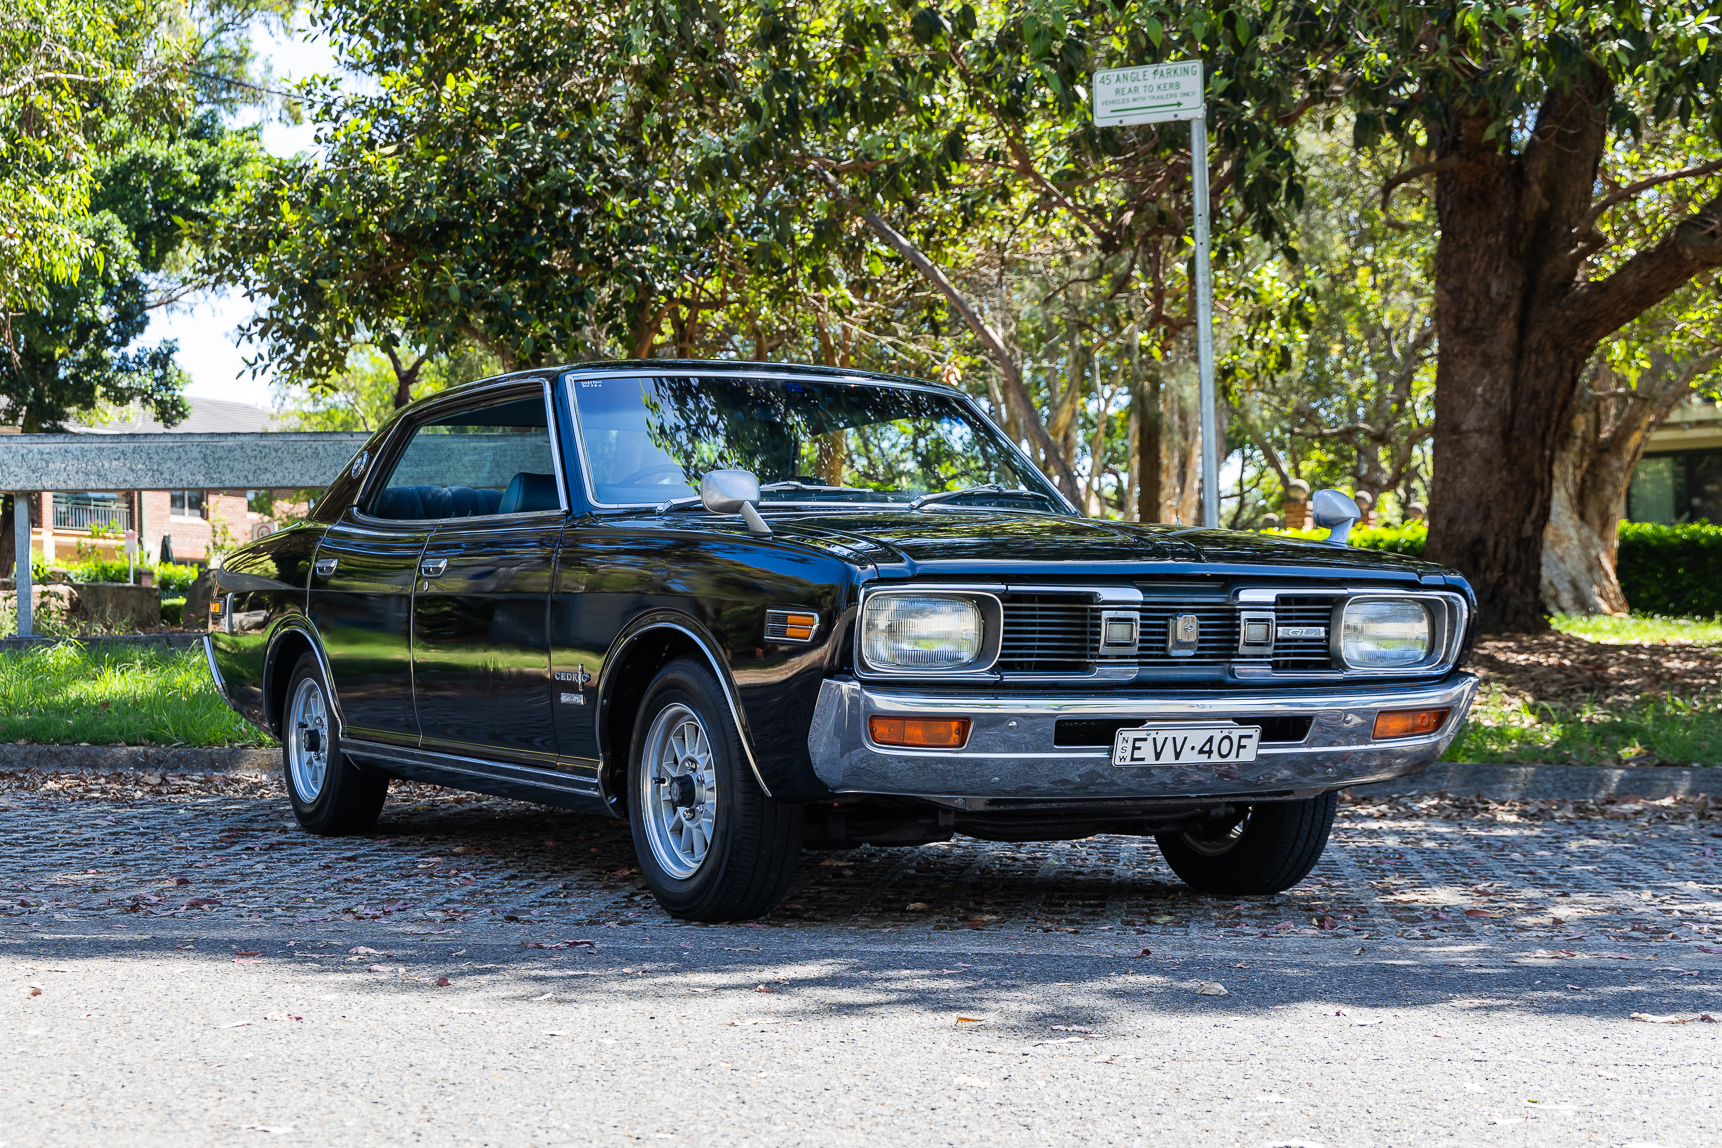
{"points": [[1186, 745]]}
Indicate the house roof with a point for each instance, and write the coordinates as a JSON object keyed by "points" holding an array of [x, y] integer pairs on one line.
{"points": [[208, 416]]}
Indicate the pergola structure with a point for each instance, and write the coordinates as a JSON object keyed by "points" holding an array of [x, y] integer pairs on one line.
{"points": [[42, 463]]}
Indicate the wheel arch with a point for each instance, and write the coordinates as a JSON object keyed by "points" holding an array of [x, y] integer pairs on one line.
{"points": [[644, 647], [290, 642]]}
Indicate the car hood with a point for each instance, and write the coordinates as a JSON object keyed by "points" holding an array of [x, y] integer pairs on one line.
{"points": [[908, 543]]}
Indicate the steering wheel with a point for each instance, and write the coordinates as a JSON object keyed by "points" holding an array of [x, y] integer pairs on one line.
{"points": [[670, 470]]}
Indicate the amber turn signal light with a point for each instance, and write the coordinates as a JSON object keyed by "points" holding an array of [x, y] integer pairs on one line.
{"points": [[1407, 723], [919, 733], [800, 627]]}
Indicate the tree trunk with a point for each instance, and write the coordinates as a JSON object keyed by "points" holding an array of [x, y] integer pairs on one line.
{"points": [[1601, 447], [1517, 319]]}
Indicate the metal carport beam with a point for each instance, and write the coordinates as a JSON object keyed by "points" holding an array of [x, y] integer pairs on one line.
{"points": [[37, 463]]}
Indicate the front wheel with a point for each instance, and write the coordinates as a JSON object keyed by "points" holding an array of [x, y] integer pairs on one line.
{"points": [[712, 846], [1267, 848], [330, 796]]}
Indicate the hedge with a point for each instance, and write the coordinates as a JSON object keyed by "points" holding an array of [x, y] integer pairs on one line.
{"points": [[174, 578], [1675, 571], [1671, 570]]}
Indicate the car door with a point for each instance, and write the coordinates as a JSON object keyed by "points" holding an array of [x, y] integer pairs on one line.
{"points": [[481, 650], [360, 600]]}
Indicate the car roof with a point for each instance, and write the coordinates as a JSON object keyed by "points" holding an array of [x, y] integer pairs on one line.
{"points": [[712, 366]]}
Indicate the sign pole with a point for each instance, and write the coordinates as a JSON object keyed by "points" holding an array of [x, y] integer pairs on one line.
{"points": [[21, 547], [1205, 324], [1152, 94]]}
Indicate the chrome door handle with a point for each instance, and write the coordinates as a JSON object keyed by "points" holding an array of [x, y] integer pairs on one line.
{"points": [[326, 566], [433, 567]]}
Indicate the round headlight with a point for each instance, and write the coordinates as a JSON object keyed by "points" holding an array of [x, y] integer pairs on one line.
{"points": [[1384, 633], [909, 632]]}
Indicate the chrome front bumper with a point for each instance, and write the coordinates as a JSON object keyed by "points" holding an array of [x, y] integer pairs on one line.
{"points": [[1010, 757]]}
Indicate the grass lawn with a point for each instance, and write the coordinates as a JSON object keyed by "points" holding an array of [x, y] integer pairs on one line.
{"points": [[1599, 691], [68, 695]]}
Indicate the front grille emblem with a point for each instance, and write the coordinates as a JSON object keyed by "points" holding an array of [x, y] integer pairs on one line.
{"points": [[1255, 633], [1183, 635]]}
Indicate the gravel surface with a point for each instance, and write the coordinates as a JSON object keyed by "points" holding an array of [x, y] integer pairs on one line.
{"points": [[185, 966]]}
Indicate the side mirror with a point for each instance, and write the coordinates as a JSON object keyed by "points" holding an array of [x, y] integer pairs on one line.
{"points": [[734, 492], [1335, 510]]}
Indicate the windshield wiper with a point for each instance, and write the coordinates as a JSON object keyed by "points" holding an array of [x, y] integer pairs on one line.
{"points": [[983, 488], [797, 484]]}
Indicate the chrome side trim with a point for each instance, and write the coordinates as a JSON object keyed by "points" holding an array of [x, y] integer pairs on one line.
{"points": [[482, 769], [1011, 753], [632, 633]]}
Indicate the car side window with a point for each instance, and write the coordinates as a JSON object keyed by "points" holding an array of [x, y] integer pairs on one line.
{"points": [[496, 459]]}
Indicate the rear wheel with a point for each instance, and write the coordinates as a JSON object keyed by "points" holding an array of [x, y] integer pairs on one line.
{"points": [[1267, 848], [330, 796], [712, 846]]}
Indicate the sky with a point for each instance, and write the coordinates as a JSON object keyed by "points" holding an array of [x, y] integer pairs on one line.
{"points": [[206, 325]]}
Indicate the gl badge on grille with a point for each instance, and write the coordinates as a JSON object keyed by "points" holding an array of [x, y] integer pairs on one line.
{"points": [[1182, 635]]}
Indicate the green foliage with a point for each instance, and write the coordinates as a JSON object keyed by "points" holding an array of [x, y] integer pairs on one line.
{"points": [[106, 163], [68, 693], [1673, 730], [1407, 539], [1640, 629], [170, 577], [1675, 570]]}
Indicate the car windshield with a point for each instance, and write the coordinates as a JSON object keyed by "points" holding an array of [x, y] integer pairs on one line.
{"points": [[649, 440]]}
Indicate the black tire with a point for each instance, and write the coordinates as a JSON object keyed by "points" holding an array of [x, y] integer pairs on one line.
{"points": [[712, 846], [342, 798], [1268, 849]]}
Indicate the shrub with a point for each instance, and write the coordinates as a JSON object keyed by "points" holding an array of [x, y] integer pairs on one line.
{"points": [[1673, 570], [1407, 539]]}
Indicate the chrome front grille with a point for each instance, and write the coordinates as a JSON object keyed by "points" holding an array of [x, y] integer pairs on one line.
{"points": [[1048, 634], [1303, 650], [1059, 634]]}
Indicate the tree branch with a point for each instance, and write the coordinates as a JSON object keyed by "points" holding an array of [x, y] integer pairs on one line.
{"points": [[1600, 307], [1632, 189], [988, 337]]}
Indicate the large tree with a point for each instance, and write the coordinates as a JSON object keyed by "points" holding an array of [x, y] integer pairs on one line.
{"points": [[1512, 110]]}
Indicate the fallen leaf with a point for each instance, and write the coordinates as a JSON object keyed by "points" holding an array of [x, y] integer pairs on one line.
{"points": [[916, 907], [1672, 1018], [764, 989], [443, 982], [1482, 913], [1146, 953], [971, 1020], [35, 990], [1211, 989]]}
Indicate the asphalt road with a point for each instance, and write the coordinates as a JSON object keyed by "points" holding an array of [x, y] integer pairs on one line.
{"points": [[184, 967]]}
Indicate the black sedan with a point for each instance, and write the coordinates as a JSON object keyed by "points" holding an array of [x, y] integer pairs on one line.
{"points": [[757, 609]]}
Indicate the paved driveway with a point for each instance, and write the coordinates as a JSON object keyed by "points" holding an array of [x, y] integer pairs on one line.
{"points": [[184, 967]]}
